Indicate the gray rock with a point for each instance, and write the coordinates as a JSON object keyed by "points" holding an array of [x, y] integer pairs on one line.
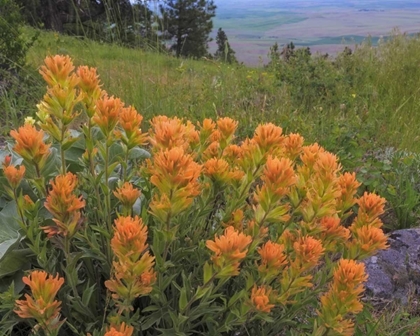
{"points": [[394, 273]]}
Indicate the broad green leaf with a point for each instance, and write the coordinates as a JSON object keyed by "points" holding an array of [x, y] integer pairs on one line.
{"points": [[9, 229], [138, 153], [14, 261], [183, 301]]}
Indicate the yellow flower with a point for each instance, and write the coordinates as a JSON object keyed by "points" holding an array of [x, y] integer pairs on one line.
{"points": [[41, 305], [30, 120]]}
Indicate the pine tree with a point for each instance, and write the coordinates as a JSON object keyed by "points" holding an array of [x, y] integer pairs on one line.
{"points": [[224, 52], [188, 23]]}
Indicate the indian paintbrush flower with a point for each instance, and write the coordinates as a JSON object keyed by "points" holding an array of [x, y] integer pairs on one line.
{"points": [[229, 250], [41, 305], [133, 274], [127, 195], [260, 298], [64, 205], [14, 175], [120, 330], [30, 145]]}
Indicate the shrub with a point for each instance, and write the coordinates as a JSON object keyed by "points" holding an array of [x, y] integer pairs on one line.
{"points": [[13, 44], [183, 230]]}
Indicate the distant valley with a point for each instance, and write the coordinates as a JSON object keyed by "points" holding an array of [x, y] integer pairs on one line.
{"points": [[324, 26]]}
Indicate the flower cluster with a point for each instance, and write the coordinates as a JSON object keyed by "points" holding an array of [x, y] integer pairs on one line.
{"points": [[343, 297], [64, 206], [42, 305], [133, 273]]}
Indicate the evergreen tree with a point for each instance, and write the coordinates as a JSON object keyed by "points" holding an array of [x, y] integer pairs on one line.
{"points": [[188, 23], [224, 52]]}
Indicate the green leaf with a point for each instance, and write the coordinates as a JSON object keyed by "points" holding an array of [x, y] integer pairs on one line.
{"points": [[208, 272], [9, 229], [183, 301], [14, 261], [138, 153]]}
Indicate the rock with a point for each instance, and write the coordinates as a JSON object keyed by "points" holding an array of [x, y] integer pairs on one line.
{"points": [[394, 273]]}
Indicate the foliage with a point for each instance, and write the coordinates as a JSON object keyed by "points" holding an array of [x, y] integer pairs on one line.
{"points": [[13, 43], [187, 24], [194, 234], [394, 175], [224, 52]]}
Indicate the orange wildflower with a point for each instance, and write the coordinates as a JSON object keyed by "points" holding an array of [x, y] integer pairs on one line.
{"points": [[308, 251], [121, 330], [232, 152], [371, 205], [133, 273], [343, 296], [175, 174], [90, 85], [227, 127], [14, 175], [64, 206], [130, 235], [57, 70], [229, 250], [219, 170], [310, 154], [41, 305], [272, 258], [107, 113], [130, 121], [30, 145], [7, 161], [268, 137], [212, 151], [167, 133], [127, 195], [206, 130], [348, 185], [260, 298], [293, 145], [369, 239], [332, 231], [278, 175]]}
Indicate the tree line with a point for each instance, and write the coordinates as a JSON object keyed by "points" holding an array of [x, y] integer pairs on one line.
{"points": [[180, 26]]}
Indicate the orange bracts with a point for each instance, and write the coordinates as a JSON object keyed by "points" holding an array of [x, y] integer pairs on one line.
{"points": [[167, 133], [268, 137], [57, 70], [133, 274], [260, 298], [127, 195], [227, 127], [219, 170], [107, 113], [41, 305], [229, 250], [175, 174], [308, 252], [30, 145], [64, 206], [120, 330], [130, 121], [343, 296], [14, 175], [272, 258], [129, 240]]}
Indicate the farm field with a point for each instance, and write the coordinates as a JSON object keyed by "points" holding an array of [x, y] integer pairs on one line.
{"points": [[324, 26]]}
